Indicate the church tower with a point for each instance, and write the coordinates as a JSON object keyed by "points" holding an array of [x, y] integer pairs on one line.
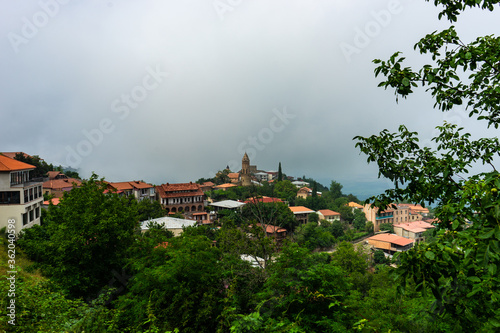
{"points": [[245, 171]]}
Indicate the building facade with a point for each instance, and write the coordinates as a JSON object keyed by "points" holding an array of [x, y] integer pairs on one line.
{"points": [[246, 179], [401, 213], [184, 198], [21, 196]]}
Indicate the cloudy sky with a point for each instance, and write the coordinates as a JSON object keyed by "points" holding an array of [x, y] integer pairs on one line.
{"points": [[172, 91]]}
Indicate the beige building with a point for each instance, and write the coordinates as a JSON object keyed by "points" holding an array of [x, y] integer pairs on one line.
{"points": [[245, 174], [390, 243], [58, 184], [139, 189], [399, 214], [412, 230], [187, 198], [21, 196], [328, 215], [301, 213]]}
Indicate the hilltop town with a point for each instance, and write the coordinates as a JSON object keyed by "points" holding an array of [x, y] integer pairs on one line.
{"points": [[26, 189]]}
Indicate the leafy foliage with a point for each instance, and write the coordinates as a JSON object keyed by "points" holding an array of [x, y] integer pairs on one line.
{"points": [[458, 269], [84, 238]]}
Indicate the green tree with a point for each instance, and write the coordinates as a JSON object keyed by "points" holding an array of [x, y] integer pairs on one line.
{"points": [[285, 190], [386, 227], [314, 236], [148, 209], [303, 293], [179, 286], [369, 227], [41, 166], [313, 217], [84, 239], [222, 177], [280, 173], [335, 189], [272, 213], [359, 221], [460, 268], [379, 257]]}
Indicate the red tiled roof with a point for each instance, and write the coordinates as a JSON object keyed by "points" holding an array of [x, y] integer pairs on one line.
{"points": [[162, 245], [57, 184], [207, 184], [354, 205], [122, 186], [327, 212], [262, 199], [225, 185], [391, 238], [172, 190], [53, 174], [300, 209], [271, 229], [233, 175], [10, 164], [54, 201], [13, 154], [415, 226]]}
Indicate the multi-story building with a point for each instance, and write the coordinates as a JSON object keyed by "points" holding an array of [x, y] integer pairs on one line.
{"points": [[58, 183], [139, 189], [399, 214], [184, 197], [21, 195], [301, 213], [329, 215], [412, 230]]}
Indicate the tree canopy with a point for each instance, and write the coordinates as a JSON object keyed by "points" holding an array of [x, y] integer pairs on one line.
{"points": [[459, 269]]}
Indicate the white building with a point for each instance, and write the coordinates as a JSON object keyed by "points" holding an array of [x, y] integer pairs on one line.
{"points": [[21, 196], [170, 223]]}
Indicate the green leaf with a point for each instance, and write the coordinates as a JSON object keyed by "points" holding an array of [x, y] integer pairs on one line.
{"points": [[430, 255]]}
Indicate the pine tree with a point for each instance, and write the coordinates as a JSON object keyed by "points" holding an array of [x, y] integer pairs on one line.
{"points": [[280, 174]]}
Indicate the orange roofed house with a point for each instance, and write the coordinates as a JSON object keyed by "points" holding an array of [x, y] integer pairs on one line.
{"points": [[21, 196], [400, 214], [59, 183], [412, 230], [329, 215], [139, 189], [182, 197], [390, 243], [301, 213]]}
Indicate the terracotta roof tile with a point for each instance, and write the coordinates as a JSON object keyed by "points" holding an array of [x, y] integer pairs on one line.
{"points": [[300, 210], [262, 199], [327, 212], [10, 164], [354, 205], [177, 190], [415, 226], [57, 184], [391, 238]]}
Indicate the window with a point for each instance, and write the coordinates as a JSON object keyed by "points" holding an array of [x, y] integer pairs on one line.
{"points": [[10, 197], [31, 216], [37, 212], [25, 218]]}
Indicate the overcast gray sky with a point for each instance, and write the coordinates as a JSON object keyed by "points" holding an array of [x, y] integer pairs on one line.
{"points": [[172, 91]]}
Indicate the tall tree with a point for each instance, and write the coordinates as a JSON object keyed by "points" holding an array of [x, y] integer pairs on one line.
{"points": [[460, 268], [84, 239], [280, 173]]}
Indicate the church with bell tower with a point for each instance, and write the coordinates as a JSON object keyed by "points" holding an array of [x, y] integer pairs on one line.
{"points": [[246, 180]]}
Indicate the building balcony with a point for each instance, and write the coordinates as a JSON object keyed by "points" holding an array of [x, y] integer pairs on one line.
{"points": [[384, 217], [33, 181]]}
